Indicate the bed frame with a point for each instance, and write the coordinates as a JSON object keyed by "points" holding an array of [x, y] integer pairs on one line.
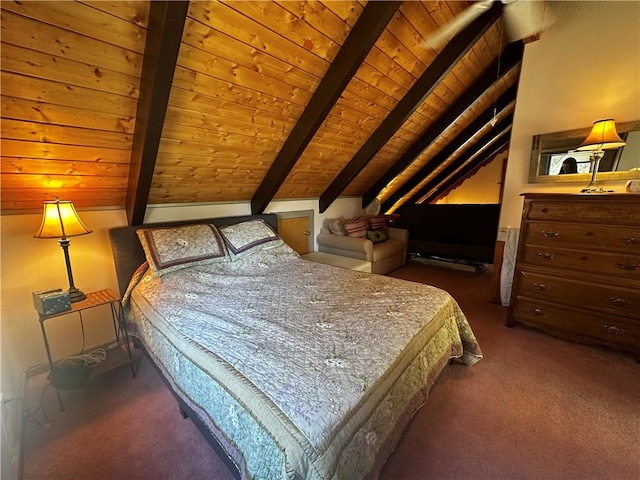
{"points": [[128, 255]]}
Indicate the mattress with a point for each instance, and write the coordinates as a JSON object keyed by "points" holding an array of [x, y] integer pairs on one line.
{"points": [[301, 370]]}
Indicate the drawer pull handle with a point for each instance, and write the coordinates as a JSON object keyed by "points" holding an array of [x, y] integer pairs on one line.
{"points": [[613, 329], [546, 256], [629, 266], [632, 240], [545, 210], [540, 286], [537, 312], [548, 234], [619, 301]]}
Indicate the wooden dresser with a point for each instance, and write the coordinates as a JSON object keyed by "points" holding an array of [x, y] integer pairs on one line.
{"points": [[577, 271]]}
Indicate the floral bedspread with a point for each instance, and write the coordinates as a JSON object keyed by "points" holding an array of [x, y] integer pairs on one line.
{"points": [[322, 365]]}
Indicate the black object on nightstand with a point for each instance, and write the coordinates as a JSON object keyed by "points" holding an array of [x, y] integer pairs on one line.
{"points": [[68, 375]]}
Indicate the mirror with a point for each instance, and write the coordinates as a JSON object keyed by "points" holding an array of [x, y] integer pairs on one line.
{"points": [[549, 152]]}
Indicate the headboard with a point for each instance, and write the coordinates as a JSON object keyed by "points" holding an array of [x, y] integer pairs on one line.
{"points": [[129, 255]]}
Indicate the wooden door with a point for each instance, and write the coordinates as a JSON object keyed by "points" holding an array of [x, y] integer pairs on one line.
{"points": [[295, 232]]}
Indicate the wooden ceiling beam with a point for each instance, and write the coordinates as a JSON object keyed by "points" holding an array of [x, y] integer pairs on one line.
{"points": [[492, 136], [435, 72], [372, 22], [509, 58], [164, 35], [468, 170], [472, 129]]}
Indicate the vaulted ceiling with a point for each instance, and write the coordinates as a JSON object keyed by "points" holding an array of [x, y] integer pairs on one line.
{"points": [[134, 103]]}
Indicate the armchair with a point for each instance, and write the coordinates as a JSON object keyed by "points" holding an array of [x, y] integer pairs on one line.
{"points": [[384, 256]]}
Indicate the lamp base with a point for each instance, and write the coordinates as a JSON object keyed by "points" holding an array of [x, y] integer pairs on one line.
{"points": [[593, 189], [76, 295]]}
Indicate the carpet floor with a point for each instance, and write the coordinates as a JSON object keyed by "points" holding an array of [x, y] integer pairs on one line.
{"points": [[536, 407]]}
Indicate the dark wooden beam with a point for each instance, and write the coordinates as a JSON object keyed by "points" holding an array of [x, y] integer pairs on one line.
{"points": [[434, 73], [164, 34], [493, 135], [468, 132], [372, 22], [469, 169], [509, 58]]}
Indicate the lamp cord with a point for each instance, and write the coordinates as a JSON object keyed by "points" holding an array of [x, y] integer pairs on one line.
{"points": [[90, 359]]}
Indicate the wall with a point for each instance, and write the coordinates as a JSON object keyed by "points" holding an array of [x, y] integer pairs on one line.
{"points": [[585, 67], [30, 264], [482, 187]]}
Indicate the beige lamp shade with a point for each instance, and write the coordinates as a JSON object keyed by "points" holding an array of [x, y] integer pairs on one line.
{"points": [[603, 136], [60, 220]]}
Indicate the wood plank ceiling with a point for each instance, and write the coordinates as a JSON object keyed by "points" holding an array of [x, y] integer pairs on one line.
{"points": [[264, 100]]}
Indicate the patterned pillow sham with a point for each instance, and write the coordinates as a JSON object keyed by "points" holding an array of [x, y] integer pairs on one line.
{"points": [[168, 249], [249, 237], [356, 227], [135, 279]]}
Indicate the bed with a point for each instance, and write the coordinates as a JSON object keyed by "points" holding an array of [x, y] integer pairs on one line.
{"points": [[291, 369]]}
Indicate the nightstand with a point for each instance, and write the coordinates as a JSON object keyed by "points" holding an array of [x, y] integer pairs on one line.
{"points": [[93, 300]]}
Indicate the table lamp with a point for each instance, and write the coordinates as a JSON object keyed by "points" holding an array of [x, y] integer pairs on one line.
{"points": [[603, 136], [60, 220]]}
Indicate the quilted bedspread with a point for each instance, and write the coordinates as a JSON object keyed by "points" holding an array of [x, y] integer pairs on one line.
{"points": [[303, 370]]}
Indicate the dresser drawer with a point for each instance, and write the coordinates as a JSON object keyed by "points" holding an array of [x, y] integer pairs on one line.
{"points": [[579, 324], [584, 236], [584, 210], [616, 264], [617, 300]]}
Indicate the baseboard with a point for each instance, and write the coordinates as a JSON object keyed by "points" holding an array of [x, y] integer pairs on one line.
{"points": [[12, 427], [446, 264], [35, 370]]}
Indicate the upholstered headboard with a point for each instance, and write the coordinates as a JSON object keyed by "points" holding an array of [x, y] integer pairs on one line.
{"points": [[129, 255]]}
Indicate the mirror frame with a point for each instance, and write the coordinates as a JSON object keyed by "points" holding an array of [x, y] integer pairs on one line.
{"points": [[558, 140]]}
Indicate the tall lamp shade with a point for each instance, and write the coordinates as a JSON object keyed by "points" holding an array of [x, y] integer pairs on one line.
{"points": [[603, 136], [60, 220]]}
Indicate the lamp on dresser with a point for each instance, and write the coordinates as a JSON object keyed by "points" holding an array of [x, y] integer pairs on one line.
{"points": [[60, 220], [603, 136]]}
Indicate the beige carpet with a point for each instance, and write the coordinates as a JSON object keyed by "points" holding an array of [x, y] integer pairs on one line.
{"points": [[535, 407]]}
